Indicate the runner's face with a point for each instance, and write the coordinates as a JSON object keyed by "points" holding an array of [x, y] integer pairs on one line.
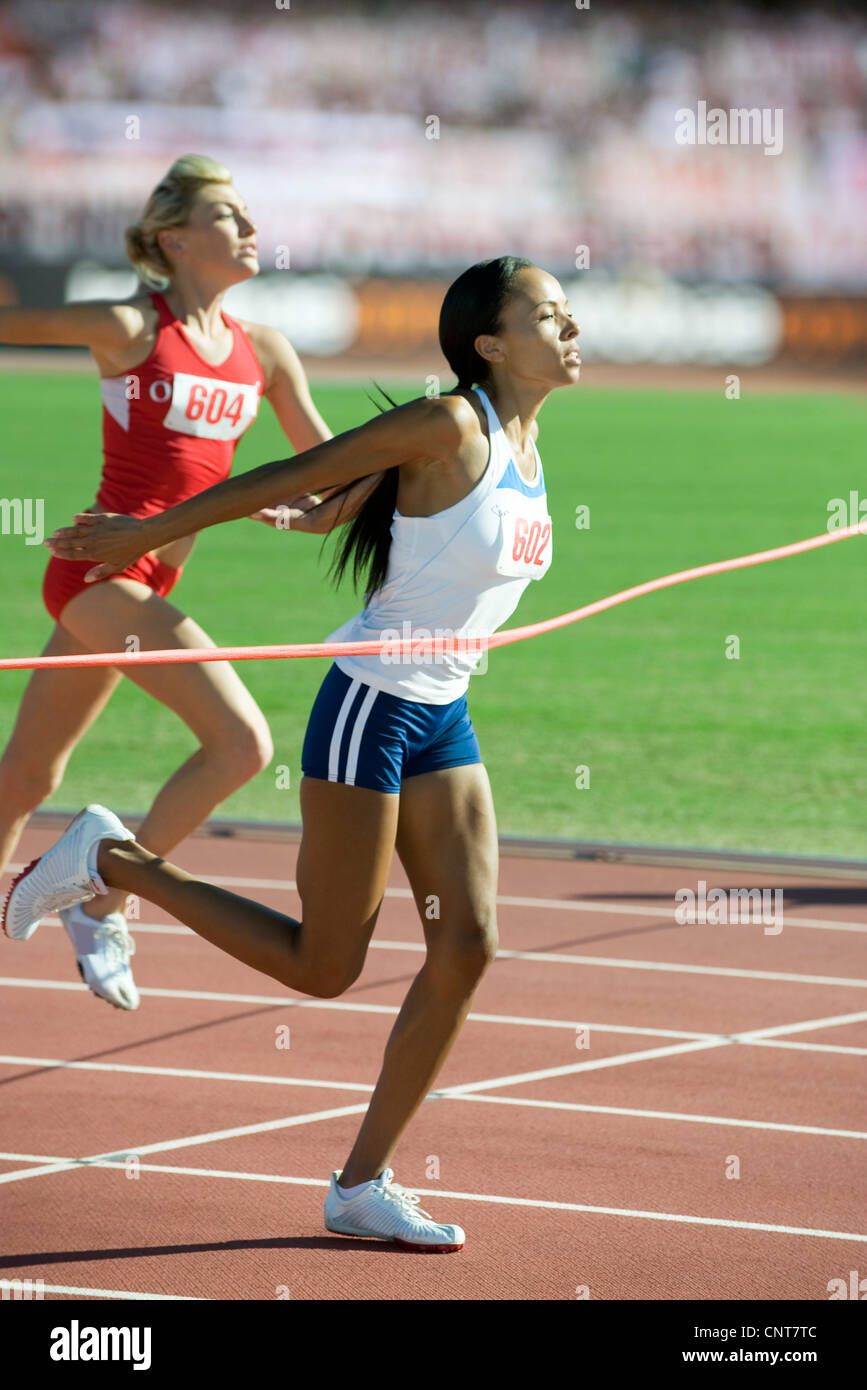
{"points": [[538, 337], [218, 235]]}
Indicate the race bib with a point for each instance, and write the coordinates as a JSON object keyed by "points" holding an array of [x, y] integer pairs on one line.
{"points": [[525, 545], [211, 409]]}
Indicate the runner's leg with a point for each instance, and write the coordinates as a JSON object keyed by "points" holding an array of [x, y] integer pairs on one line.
{"points": [[447, 842], [343, 863], [209, 697], [56, 710]]}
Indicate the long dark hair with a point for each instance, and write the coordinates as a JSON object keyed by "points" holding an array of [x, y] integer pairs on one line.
{"points": [[473, 305], [367, 539]]}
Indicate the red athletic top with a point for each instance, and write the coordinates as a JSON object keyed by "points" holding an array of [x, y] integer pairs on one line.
{"points": [[170, 425]]}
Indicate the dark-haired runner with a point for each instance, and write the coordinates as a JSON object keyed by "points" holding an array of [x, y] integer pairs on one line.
{"points": [[450, 538]]}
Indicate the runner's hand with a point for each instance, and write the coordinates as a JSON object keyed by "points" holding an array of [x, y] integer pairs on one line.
{"points": [[113, 540], [319, 515], [285, 515]]}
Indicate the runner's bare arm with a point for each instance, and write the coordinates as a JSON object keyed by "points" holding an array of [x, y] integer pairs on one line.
{"points": [[287, 391], [106, 326], [286, 387], [317, 519], [422, 431]]}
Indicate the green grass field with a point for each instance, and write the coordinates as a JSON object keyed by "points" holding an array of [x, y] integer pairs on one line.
{"points": [[765, 752]]}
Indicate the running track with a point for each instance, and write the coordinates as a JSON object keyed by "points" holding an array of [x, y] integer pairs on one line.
{"points": [[598, 1168]]}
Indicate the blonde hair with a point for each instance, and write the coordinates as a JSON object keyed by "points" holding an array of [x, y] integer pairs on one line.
{"points": [[169, 206]]}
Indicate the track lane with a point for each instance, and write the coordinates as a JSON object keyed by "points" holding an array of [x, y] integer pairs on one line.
{"points": [[655, 1165]]}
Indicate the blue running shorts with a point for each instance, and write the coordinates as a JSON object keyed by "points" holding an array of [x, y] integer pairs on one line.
{"points": [[366, 737]]}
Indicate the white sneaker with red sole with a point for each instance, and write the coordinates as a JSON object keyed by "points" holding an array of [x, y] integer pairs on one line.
{"points": [[383, 1210], [65, 875]]}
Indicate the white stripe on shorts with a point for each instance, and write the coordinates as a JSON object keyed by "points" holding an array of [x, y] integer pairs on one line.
{"points": [[340, 724], [355, 741], [334, 749]]}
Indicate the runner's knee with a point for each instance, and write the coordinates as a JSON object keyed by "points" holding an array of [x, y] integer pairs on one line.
{"points": [[246, 749], [462, 954], [327, 974], [331, 979], [328, 985], [27, 782]]}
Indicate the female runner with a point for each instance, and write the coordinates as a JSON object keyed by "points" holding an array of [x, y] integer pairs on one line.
{"points": [[181, 383], [390, 758]]}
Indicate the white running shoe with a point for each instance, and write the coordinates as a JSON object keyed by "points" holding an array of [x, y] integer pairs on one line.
{"points": [[66, 874], [383, 1210], [103, 948]]}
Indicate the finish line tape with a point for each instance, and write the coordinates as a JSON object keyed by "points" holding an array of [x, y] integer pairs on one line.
{"points": [[428, 645]]}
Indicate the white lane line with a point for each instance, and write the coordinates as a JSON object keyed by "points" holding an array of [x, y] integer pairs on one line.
{"points": [[618, 1060], [44, 1171], [32, 1158], [190, 1141], [239, 1132], [184, 1072], [808, 1047], [677, 968], [254, 1078], [526, 1202], [510, 900], [192, 1172], [628, 1112], [599, 1027], [145, 928], [725, 1121], [722, 1040], [210, 996], [541, 957], [807, 1025], [583, 1107], [823, 924], [517, 1020], [556, 904], [417, 948], [626, 963], [627, 910], [456, 1091], [106, 1293], [445, 1093], [21, 982], [543, 904]]}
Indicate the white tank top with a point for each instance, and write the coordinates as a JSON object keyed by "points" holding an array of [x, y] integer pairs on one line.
{"points": [[458, 573]]}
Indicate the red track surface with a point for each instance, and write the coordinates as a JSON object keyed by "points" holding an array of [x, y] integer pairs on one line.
{"points": [[648, 1211]]}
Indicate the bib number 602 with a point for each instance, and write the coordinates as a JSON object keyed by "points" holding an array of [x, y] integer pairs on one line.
{"points": [[530, 541]]}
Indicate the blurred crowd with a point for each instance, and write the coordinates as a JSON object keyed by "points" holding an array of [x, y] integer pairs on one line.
{"points": [[542, 66], [556, 128]]}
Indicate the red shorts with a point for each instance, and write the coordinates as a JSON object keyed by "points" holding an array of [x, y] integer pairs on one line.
{"points": [[65, 578]]}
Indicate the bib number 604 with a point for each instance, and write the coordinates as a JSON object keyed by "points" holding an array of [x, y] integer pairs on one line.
{"points": [[212, 404]]}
